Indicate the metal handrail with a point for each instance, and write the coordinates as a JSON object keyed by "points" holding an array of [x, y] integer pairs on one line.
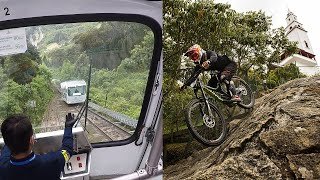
{"points": [[115, 115]]}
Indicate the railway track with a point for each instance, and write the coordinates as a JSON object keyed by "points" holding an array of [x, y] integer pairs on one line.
{"points": [[123, 132], [100, 128], [54, 117], [105, 126]]}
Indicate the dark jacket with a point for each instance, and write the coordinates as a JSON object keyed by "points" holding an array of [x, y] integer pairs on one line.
{"points": [[37, 167], [217, 62]]}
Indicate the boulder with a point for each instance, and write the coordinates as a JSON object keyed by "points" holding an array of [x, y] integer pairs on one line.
{"points": [[280, 139]]}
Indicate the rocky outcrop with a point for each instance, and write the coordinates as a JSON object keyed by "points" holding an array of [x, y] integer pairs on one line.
{"points": [[280, 139]]}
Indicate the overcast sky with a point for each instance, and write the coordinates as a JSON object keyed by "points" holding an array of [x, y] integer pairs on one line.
{"points": [[307, 12]]}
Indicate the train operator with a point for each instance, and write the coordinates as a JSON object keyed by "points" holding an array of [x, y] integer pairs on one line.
{"points": [[18, 161]]}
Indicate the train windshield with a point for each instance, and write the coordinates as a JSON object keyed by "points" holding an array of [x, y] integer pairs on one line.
{"points": [[76, 91], [47, 71]]}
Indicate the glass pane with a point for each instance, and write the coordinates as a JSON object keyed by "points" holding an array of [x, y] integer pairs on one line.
{"points": [[50, 70]]}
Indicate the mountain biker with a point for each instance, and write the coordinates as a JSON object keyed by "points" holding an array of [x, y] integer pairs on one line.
{"points": [[209, 60]]}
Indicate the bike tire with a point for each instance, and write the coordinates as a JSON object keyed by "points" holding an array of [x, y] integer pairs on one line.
{"points": [[209, 136], [248, 99]]}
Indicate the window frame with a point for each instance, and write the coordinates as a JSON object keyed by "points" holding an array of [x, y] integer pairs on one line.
{"points": [[98, 17], [306, 44]]}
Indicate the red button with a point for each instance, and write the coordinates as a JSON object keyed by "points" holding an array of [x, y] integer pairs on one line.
{"points": [[80, 165], [78, 158]]}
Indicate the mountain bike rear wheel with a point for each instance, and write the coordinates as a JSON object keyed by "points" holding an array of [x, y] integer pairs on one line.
{"points": [[210, 131], [245, 92]]}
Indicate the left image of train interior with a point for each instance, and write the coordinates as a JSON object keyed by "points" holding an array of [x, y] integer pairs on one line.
{"points": [[99, 60]]}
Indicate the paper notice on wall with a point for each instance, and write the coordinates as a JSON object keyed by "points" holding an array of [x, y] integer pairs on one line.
{"points": [[13, 41]]}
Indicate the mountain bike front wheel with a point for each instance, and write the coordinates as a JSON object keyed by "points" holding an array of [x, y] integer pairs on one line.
{"points": [[210, 131]]}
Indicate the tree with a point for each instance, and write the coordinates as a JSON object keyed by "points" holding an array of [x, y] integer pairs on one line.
{"points": [[281, 75], [140, 56], [112, 39], [34, 53], [22, 68]]}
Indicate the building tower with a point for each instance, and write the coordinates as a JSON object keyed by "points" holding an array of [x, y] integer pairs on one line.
{"points": [[305, 59]]}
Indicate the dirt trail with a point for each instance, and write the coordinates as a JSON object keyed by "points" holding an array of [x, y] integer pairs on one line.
{"points": [[54, 117]]}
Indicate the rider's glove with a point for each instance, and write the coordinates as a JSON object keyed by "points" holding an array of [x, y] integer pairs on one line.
{"points": [[222, 77], [206, 64], [70, 120]]}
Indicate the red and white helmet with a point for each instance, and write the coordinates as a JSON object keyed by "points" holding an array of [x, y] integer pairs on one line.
{"points": [[194, 53]]}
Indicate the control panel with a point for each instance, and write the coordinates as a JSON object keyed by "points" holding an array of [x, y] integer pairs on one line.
{"points": [[79, 163], [76, 166]]}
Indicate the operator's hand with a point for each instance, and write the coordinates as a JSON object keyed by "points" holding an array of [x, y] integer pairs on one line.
{"points": [[70, 120], [206, 64]]}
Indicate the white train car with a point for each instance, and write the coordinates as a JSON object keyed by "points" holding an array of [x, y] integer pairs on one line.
{"points": [[73, 92]]}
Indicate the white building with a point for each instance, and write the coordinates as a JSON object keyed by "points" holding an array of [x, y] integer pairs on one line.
{"points": [[305, 59]]}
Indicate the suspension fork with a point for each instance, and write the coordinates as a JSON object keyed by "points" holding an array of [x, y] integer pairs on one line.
{"points": [[205, 100]]}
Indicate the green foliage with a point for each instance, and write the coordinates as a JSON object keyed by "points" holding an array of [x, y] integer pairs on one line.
{"points": [[59, 33], [30, 98], [123, 89], [25, 85], [67, 71], [140, 58], [111, 39], [282, 75], [41, 94], [122, 94], [34, 53], [117, 84], [57, 56], [174, 105], [22, 68]]}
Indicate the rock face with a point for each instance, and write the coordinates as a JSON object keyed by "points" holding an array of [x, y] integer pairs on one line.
{"points": [[280, 139]]}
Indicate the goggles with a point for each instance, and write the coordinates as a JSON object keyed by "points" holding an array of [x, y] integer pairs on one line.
{"points": [[194, 56]]}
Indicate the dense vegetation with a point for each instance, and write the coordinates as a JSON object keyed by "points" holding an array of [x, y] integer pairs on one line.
{"points": [[245, 37], [120, 55], [25, 85]]}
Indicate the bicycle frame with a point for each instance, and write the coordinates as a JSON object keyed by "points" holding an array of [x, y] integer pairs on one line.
{"points": [[206, 99], [205, 89]]}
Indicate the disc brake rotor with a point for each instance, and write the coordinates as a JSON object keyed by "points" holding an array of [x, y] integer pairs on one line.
{"points": [[209, 122], [243, 90]]}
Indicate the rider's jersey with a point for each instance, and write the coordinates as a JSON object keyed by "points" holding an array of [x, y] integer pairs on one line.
{"points": [[217, 62]]}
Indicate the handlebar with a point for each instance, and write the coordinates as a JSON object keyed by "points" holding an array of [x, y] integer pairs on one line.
{"points": [[196, 74]]}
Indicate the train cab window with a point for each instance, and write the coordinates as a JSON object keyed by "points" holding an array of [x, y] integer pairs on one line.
{"points": [[96, 70]]}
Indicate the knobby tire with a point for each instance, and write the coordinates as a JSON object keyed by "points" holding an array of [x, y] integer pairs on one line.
{"points": [[210, 136]]}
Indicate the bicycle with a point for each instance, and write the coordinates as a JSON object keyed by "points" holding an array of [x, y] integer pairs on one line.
{"points": [[203, 118]]}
